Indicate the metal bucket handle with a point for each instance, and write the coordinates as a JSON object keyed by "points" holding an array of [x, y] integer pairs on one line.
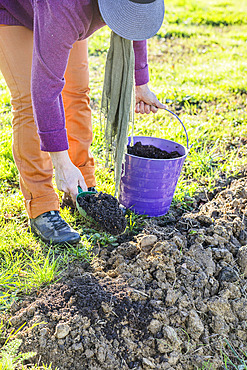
{"points": [[187, 138]]}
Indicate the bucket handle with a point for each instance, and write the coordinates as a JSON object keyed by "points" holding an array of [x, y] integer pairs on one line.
{"points": [[187, 138]]}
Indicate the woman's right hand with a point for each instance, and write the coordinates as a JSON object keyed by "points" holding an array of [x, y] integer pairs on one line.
{"points": [[67, 175]]}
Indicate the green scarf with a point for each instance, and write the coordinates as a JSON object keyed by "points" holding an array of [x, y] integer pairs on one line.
{"points": [[117, 98]]}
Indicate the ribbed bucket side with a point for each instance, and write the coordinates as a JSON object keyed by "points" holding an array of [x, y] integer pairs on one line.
{"points": [[148, 185]]}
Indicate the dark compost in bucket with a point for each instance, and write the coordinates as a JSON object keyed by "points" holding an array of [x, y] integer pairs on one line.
{"points": [[150, 151]]}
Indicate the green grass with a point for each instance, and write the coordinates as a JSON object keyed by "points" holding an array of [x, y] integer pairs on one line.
{"points": [[233, 357], [198, 64]]}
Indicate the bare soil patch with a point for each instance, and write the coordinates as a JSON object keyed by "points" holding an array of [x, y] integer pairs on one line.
{"points": [[165, 300]]}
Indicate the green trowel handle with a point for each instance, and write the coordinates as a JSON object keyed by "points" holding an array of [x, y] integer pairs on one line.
{"points": [[79, 189]]}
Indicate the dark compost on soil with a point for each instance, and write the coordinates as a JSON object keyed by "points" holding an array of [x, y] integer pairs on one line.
{"points": [[105, 210], [150, 151]]}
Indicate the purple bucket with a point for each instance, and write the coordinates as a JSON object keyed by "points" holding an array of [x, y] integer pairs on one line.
{"points": [[147, 185]]}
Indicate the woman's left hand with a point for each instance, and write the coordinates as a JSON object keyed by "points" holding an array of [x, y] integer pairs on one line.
{"points": [[146, 100]]}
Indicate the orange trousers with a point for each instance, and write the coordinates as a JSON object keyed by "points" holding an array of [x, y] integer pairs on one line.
{"points": [[34, 166]]}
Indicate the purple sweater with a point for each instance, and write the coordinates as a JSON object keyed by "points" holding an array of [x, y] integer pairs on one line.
{"points": [[57, 24]]}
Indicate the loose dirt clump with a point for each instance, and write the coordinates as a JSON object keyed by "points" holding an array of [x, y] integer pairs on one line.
{"points": [[174, 297], [105, 211], [150, 151]]}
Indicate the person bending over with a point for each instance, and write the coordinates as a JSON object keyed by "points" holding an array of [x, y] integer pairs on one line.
{"points": [[44, 61]]}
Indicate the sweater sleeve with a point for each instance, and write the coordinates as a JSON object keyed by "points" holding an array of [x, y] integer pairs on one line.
{"points": [[141, 63], [54, 35]]}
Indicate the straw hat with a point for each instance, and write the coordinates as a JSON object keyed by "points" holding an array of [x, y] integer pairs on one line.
{"points": [[133, 19]]}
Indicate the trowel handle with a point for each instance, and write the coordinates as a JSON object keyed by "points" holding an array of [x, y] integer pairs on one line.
{"points": [[79, 189], [187, 138]]}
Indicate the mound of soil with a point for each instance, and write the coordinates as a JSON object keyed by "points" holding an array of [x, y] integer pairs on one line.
{"points": [[150, 151], [168, 299], [105, 211]]}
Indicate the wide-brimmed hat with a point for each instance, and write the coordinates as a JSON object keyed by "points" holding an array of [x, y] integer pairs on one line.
{"points": [[133, 19]]}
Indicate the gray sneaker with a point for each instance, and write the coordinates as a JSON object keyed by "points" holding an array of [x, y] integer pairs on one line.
{"points": [[51, 228]]}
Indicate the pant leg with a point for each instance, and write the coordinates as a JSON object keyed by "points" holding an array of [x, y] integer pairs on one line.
{"points": [[77, 111], [34, 166]]}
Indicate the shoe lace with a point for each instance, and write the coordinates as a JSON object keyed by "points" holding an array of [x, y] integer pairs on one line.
{"points": [[57, 222]]}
